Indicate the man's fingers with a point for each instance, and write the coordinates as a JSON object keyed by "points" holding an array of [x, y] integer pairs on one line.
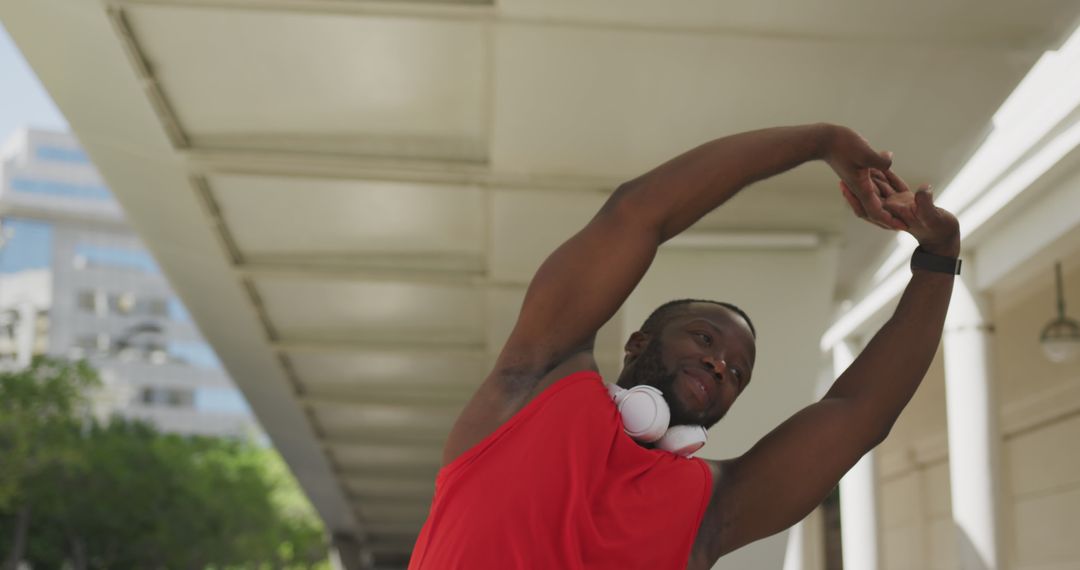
{"points": [[924, 204], [881, 160], [852, 200], [895, 181], [905, 213], [857, 207], [882, 184], [871, 204]]}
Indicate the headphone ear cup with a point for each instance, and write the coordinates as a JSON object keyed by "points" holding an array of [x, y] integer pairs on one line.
{"points": [[644, 412], [683, 440]]}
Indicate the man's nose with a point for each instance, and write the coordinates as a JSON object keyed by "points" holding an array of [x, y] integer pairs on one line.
{"points": [[718, 365]]}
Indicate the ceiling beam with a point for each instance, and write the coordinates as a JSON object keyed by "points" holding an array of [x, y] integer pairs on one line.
{"points": [[410, 263], [778, 240], [413, 398], [389, 437], [255, 162], [408, 270], [469, 10], [376, 344], [419, 472], [16, 206], [485, 11]]}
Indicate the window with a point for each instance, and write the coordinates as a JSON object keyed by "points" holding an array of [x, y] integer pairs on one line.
{"points": [[194, 353], [167, 397], [60, 154], [59, 189], [93, 342], [122, 303], [86, 300], [157, 307], [27, 244], [222, 400], [89, 255]]}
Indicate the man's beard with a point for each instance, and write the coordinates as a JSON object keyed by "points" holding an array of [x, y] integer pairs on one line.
{"points": [[648, 369]]}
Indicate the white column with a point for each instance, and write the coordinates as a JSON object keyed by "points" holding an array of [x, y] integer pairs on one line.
{"points": [[973, 431], [858, 494], [806, 544]]}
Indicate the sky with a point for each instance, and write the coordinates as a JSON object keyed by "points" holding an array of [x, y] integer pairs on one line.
{"points": [[23, 101]]}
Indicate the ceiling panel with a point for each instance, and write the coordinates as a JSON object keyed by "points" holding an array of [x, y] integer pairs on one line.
{"points": [[987, 22], [269, 216], [320, 82], [612, 103], [438, 374], [388, 366], [328, 309], [347, 456], [357, 418]]}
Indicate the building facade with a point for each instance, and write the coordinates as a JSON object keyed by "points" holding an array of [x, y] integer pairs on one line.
{"points": [[76, 282]]}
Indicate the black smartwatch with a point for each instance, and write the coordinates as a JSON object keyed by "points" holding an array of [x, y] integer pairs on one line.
{"points": [[927, 261]]}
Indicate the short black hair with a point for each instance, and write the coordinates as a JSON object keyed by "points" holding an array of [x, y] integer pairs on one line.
{"points": [[663, 313]]}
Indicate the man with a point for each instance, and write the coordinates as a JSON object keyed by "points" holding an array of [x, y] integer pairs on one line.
{"points": [[537, 470]]}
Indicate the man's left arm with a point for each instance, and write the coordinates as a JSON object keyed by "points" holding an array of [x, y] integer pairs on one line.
{"points": [[791, 470]]}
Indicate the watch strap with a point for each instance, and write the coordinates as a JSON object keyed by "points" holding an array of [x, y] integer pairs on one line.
{"points": [[927, 261]]}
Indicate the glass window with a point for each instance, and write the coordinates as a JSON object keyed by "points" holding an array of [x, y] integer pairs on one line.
{"points": [[92, 342], [27, 244], [90, 255], [87, 301], [122, 303], [225, 400], [167, 397], [157, 307], [60, 154], [194, 353], [59, 189]]}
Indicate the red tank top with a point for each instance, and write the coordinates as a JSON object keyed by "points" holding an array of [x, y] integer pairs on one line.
{"points": [[560, 486]]}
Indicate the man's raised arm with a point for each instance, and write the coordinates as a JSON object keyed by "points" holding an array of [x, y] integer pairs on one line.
{"points": [[581, 285], [791, 470], [583, 282]]}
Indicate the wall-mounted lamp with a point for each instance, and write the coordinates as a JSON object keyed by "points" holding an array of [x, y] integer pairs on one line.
{"points": [[1061, 337]]}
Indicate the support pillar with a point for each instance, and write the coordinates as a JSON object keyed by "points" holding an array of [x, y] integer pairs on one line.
{"points": [[858, 493], [973, 432], [349, 552]]}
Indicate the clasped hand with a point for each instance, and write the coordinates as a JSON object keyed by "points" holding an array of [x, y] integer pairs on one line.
{"points": [[876, 194]]}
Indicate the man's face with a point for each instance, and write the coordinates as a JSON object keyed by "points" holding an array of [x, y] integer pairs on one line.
{"points": [[701, 361]]}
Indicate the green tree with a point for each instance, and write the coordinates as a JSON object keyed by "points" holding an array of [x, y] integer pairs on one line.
{"points": [[122, 495], [40, 407]]}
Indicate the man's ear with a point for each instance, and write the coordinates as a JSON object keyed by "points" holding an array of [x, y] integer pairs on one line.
{"points": [[635, 346]]}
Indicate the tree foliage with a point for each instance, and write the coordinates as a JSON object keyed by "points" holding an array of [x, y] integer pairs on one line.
{"points": [[85, 494]]}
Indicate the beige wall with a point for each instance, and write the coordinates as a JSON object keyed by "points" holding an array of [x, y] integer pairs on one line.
{"points": [[1040, 425], [1041, 421]]}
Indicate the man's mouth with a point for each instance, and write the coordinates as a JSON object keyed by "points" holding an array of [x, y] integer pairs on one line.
{"points": [[700, 384]]}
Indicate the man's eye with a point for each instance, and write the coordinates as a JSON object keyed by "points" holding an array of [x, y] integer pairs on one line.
{"points": [[705, 338]]}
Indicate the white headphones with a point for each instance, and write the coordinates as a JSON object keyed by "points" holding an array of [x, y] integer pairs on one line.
{"points": [[646, 416]]}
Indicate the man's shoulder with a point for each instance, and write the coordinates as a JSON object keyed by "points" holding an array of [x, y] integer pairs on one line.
{"points": [[504, 393]]}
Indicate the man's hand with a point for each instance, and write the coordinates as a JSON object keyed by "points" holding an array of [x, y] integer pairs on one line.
{"points": [[936, 229], [852, 158]]}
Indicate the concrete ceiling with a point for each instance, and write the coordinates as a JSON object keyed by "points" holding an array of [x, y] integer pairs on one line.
{"points": [[350, 196]]}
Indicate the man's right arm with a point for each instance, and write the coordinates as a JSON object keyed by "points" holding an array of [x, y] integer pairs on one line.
{"points": [[584, 282]]}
